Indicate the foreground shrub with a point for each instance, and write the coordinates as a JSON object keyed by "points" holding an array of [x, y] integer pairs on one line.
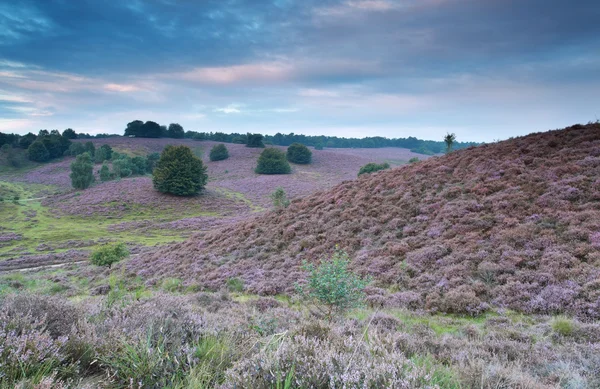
{"points": [[82, 171], [333, 286], [298, 153], [179, 172], [279, 198], [109, 254], [219, 153], [273, 161]]}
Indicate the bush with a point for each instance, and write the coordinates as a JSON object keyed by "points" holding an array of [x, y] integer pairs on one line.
{"points": [[413, 160], [279, 198], [179, 172], [319, 146], [109, 254], [82, 171], [138, 165], [151, 160], [75, 149], [254, 140], [333, 286], [219, 153], [298, 153], [373, 167], [273, 161], [38, 152], [104, 153], [563, 326], [105, 173], [121, 167]]}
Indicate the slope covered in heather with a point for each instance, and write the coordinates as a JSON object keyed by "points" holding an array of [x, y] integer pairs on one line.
{"points": [[514, 224]]}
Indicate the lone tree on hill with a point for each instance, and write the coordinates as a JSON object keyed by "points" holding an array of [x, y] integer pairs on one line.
{"points": [[298, 153], [179, 172], [82, 171], [449, 139], [272, 161], [175, 131], [219, 152]]}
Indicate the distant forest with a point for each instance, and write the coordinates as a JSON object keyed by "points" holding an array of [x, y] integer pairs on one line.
{"points": [[149, 129]]}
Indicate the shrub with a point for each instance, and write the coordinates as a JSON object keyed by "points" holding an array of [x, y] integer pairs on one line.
{"points": [[90, 148], [82, 171], [105, 173], [179, 172], [219, 152], [151, 161], [254, 140], [235, 285], [121, 167], [37, 152], [75, 149], [279, 198], [109, 254], [298, 153], [319, 146], [69, 134], [413, 160], [333, 286], [563, 326], [104, 153], [138, 165], [272, 161], [373, 167]]}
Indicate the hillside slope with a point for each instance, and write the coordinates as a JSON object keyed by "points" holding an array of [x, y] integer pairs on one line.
{"points": [[513, 224]]}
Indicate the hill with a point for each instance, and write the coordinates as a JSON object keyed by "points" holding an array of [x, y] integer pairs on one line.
{"points": [[514, 224]]}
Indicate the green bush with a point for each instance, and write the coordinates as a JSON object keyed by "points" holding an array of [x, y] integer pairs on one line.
{"points": [[219, 152], [235, 285], [319, 146], [109, 254], [38, 152], [138, 165], [105, 173], [179, 172], [333, 286], [298, 153], [151, 160], [563, 326], [273, 161], [104, 153], [254, 140], [373, 167], [279, 198], [413, 160], [82, 171], [75, 149], [121, 167]]}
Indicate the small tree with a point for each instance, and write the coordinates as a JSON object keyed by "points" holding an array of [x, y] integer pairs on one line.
{"points": [[332, 286], [219, 152], [279, 198], [82, 171], [109, 254], [38, 152], [449, 139], [319, 146], [254, 140], [298, 153], [272, 161], [373, 167], [76, 148], [175, 131], [151, 161], [105, 173], [121, 167], [69, 134], [179, 172]]}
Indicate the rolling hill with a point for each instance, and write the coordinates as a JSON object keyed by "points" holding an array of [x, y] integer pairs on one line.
{"points": [[514, 224]]}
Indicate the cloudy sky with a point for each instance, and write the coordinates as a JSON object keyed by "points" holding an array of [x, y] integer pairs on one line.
{"points": [[484, 69]]}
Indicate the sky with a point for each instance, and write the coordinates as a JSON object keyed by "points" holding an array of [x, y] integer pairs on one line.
{"points": [[485, 70]]}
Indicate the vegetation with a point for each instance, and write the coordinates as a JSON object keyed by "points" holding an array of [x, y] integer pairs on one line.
{"points": [[69, 134], [105, 173], [333, 286], [273, 161], [279, 198], [254, 140], [109, 254], [175, 131], [82, 171], [38, 152], [298, 153], [413, 160], [179, 172], [219, 153], [449, 140], [373, 167]]}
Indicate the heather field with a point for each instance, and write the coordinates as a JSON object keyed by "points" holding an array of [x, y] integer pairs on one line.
{"points": [[482, 271], [50, 218]]}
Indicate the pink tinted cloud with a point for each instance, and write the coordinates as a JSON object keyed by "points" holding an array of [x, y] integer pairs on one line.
{"points": [[259, 72]]}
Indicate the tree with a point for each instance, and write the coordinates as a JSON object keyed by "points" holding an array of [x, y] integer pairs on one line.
{"points": [[138, 165], [76, 148], [179, 172], [104, 153], [107, 151], [69, 134], [272, 161], [7, 152], [109, 254], [134, 128], [121, 167], [319, 146], [176, 131], [332, 286], [151, 161], [38, 152], [449, 139], [219, 152], [27, 140], [373, 167], [105, 173], [90, 148], [298, 153], [254, 140], [150, 129], [82, 171], [279, 198]]}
